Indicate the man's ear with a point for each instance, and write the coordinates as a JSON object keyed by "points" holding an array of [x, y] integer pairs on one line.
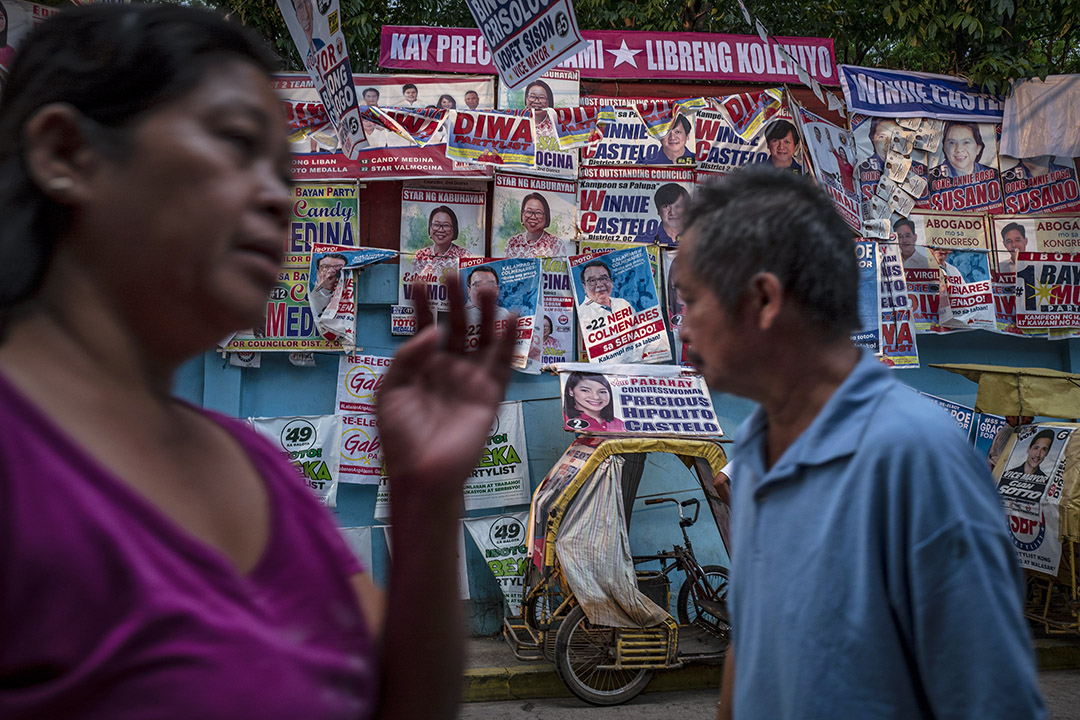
{"points": [[763, 300], [59, 157]]}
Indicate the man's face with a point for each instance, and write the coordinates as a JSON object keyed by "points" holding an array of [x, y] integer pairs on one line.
{"points": [[410, 94], [328, 273], [882, 138], [1015, 242], [303, 15], [672, 216], [597, 282], [472, 100], [1037, 452], [905, 237], [479, 282], [708, 328], [536, 98], [675, 141], [782, 150], [371, 97]]}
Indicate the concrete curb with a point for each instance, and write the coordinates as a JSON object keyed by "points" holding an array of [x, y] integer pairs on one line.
{"points": [[540, 680]]}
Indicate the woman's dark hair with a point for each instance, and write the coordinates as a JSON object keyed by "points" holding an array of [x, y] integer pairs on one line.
{"points": [[448, 211], [444, 96], [973, 128], [575, 379], [114, 64], [7, 24], [540, 199], [547, 90]]}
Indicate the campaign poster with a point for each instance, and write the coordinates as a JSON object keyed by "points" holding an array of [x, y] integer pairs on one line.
{"points": [[533, 217], [438, 227], [1014, 234], [868, 334], [386, 155], [1048, 290], [642, 205], [627, 141], [501, 477], [315, 28], [556, 88], [673, 303], [1030, 488], [526, 39], [873, 139], [905, 94], [323, 212], [963, 172], [311, 442], [402, 320], [618, 309], [359, 378], [494, 137], [331, 289], [289, 324], [1043, 184], [749, 111], [987, 428], [653, 250], [642, 400], [361, 450], [831, 150], [967, 298], [963, 416], [557, 313], [501, 539], [517, 284], [720, 149], [898, 346], [19, 18]]}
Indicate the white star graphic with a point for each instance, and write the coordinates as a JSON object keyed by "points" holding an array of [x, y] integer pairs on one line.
{"points": [[624, 55]]}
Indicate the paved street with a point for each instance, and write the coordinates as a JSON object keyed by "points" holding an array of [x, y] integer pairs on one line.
{"points": [[1061, 688]]}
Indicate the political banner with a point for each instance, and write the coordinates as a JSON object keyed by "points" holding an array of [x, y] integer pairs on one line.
{"points": [[311, 442], [618, 309], [1030, 487], [1043, 184], [289, 325], [533, 217], [496, 137], [580, 126], [1047, 290], [527, 38], [638, 204], [963, 172], [557, 321], [501, 539], [359, 378], [437, 228], [361, 449], [402, 320], [554, 89], [637, 399], [19, 18], [359, 541], [986, 435], [882, 172], [315, 28], [627, 141], [517, 284], [868, 334], [963, 416], [749, 112], [952, 231], [331, 289], [1014, 234], [386, 155], [898, 346], [967, 299], [900, 93], [720, 149], [831, 151], [501, 477], [323, 212], [623, 54], [593, 246]]}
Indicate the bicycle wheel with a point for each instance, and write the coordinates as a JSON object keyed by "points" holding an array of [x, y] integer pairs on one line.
{"points": [[690, 609], [580, 647]]}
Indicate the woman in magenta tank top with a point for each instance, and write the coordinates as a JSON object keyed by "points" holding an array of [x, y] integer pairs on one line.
{"points": [[158, 560]]}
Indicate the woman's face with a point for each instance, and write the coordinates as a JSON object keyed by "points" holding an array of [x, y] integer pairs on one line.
{"points": [[961, 149], [547, 328], [532, 215], [536, 98], [590, 397], [446, 103], [441, 230], [188, 228]]}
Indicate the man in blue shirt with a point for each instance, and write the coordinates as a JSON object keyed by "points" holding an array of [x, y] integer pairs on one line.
{"points": [[872, 573]]}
